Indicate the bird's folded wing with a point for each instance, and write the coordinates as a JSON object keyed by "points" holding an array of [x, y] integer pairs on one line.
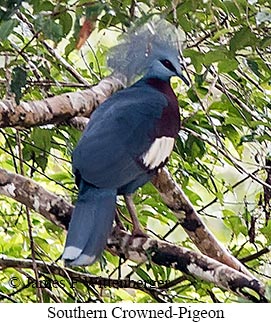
{"points": [[119, 133]]}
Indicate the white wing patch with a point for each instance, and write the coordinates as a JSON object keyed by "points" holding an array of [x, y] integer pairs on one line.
{"points": [[158, 152]]}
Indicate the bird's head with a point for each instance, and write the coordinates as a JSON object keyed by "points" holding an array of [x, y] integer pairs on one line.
{"points": [[165, 65], [151, 50]]}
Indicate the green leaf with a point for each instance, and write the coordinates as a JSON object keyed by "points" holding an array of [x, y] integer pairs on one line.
{"points": [[236, 225], [39, 6], [227, 65], [195, 148], [18, 81], [186, 24], [40, 148], [254, 67], [8, 8], [266, 232], [232, 8], [243, 38], [49, 28], [6, 27], [199, 79], [197, 58], [214, 56], [192, 95], [193, 196], [42, 138], [268, 292], [220, 197], [265, 42], [65, 21], [93, 11], [70, 47], [144, 276], [231, 133]]}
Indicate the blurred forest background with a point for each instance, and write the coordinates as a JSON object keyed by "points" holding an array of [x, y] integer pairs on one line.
{"points": [[221, 160]]}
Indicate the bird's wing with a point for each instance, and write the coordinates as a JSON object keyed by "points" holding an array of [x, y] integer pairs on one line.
{"points": [[120, 131]]}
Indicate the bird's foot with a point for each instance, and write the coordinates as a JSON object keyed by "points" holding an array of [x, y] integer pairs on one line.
{"points": [[138, 233]]}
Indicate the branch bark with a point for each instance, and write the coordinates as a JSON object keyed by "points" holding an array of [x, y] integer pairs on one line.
{"points": [[79, 277], [57, 210], [34, 196], [58, 108], [206, 242], [139, 250], [188, 262]]}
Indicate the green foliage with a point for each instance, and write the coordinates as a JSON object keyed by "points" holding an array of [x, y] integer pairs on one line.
{"points": [[49, 28], [225, 136], [18, 81], [6, 27]]}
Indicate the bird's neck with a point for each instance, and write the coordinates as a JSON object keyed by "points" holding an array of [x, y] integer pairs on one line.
{"points": [[169, 124], [164, 87]]}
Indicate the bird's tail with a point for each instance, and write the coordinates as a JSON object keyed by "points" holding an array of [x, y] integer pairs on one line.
{"points": [[90, 226]]}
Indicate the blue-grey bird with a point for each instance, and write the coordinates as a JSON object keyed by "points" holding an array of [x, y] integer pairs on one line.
{"points": [[128, 138]]}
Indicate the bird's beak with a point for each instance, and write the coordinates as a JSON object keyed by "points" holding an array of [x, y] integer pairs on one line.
{"points": [[183, 78], [180, 73]]}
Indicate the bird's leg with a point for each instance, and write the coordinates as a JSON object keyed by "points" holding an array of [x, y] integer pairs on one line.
{"points": [[137, 230]]}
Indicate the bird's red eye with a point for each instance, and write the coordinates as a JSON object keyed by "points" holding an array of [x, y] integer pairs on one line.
{"points": [[168, 65]]}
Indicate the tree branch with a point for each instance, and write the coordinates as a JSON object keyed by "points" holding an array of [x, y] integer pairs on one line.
{"points": [[34, 196], [256, 255], [58, 108], [188, 262], [162, 253], [57, 210], [206, 242], [79, 277], [121, 243], [78, 123]]}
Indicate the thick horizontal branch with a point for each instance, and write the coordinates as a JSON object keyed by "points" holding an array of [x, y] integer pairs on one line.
{"points": [[162, 253], [57, 210], [187, 261], [123, 244], [34, 196], [58, 108], [202, 237], [74, 277]]}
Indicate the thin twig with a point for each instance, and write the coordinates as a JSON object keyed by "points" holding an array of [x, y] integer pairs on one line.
{"points": [[29, 223], [232, 159], [47, 83], [255, 255], [54, 53], [227, 190], [2, 296]]}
